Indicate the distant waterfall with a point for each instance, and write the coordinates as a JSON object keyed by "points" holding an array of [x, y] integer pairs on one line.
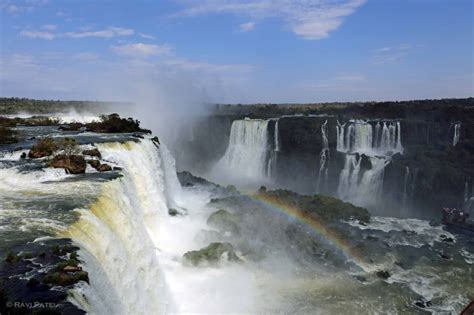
{"points": [[276, 136], [361, 188], [378, 141], [457, 133], [323, 158], [360, 136], [248, 152]]}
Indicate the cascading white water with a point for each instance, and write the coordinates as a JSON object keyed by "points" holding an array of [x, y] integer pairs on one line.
{"points": [[119, 234], [247, 154], [378, 142], [323, 159], [361, 188], [457, 133], [360, 136], [277, 137]]}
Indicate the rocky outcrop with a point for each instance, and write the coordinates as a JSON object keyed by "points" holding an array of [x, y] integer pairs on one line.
{"points": [[224, 221], [44, 147], [93, 152], [211, 255], [73, 164]]}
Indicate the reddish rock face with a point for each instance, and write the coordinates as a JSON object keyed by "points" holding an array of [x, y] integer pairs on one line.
{"points": [[74, 164]]}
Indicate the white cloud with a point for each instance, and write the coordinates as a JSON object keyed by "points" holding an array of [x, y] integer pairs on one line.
{"points": [[393, 54], [310, 19], [49, 27], [108, 32], [247, 27], [146, 36], [85, 56], [142, 50], [105, 33], [38, 34]]}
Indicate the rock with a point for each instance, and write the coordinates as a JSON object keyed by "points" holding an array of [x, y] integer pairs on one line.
{"points": [[262, 190], [73, 164], [173, 212], [224, 221], [423, 303], [65, 279], [33, 282], [117, 168], [211, 254], [23, 155], [72, 269], [94, 163], [104, 168], [383, 274], [93, 152], [444, 256], [155, 140], [44, 147], [12, 258], [137, 135], [232, 188]]}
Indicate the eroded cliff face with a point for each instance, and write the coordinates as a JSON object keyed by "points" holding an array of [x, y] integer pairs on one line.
{"points": [[409, 162]]}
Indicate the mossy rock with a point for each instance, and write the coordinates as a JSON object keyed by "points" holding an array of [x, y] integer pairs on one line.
{"points": [[65, 279], [224, 221], [211, 255]]}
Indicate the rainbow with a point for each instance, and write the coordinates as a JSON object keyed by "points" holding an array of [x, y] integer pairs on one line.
{"points": [[332, 238]]}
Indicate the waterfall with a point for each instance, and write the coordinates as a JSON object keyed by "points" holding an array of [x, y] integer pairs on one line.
{"points": [[358, 136], [323, 158], [378, 141], [119, 234], [276, 136], [247, 153], [457, 133], [361, 188]]}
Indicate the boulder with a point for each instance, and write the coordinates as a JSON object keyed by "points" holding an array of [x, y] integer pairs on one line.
{"points": [[44, 147], [224, 221], [94, 163], [93, 152], [383, 274], [73, 164], [104, 168], [211, 255]]}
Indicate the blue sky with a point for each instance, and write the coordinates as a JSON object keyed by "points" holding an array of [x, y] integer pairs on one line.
{"points": [[237, 50]]}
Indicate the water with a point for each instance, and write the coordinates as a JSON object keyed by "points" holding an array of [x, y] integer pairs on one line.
{"points": [[132, 248], [457, 133], [324, 157], [247, 155], [378, 141]]}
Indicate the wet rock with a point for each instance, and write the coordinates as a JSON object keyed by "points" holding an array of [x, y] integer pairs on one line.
{"points": [[137, 135], [446, 238], [94, 163], [117, 168], [72, 268], [173, 212], [33, 282], [93, 152], [444, 256], [12, 258], [73, 164], [23, 155], [423, 303], [104, 168], [383, 274], [224, 221], [211, 254], [44, 147], [232, 188], [65, 279], [156, 140]]}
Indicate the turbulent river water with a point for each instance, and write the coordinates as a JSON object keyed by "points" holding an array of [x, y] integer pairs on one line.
{"points": [[133, 248]]}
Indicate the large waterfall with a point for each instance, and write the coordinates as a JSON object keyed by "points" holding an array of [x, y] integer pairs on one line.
{"points": [[374, 141], [120, 234], [247, 155]]}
